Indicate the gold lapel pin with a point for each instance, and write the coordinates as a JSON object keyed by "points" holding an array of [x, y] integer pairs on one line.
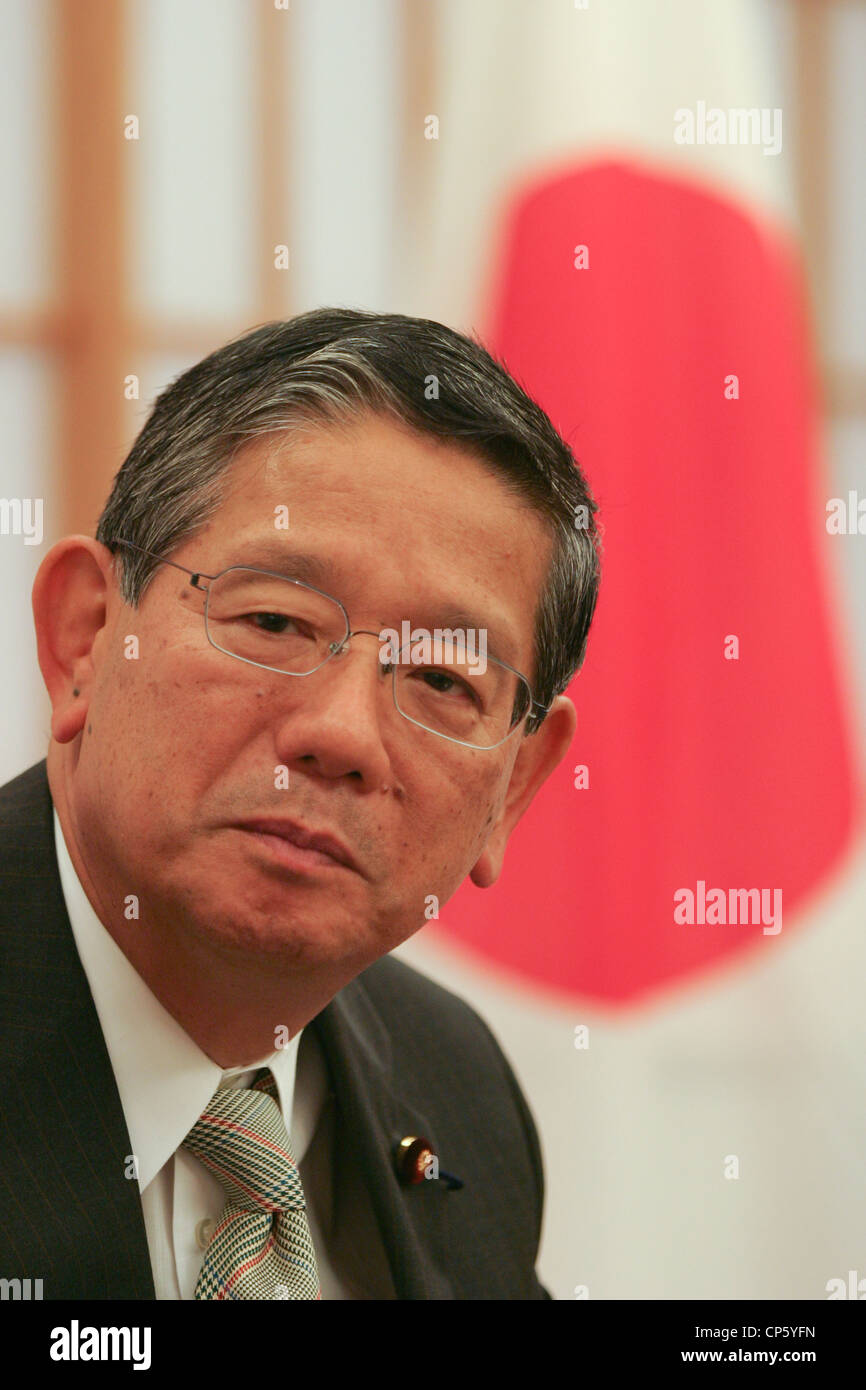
{"points": [[415, 1159]]}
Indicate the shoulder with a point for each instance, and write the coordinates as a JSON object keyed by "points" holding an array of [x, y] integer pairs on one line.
{"points": [[26, 794], [40, 972], [25, 813], [28, 864], [391, 982], [427, 1016]]}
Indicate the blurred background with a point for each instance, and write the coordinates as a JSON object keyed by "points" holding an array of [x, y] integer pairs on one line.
{"points": [[683, 290]]}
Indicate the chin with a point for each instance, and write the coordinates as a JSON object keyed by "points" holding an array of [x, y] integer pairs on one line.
{"points": [[295, 938]]}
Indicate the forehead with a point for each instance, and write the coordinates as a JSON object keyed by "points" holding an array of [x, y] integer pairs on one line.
{"points": [[394, 524]]}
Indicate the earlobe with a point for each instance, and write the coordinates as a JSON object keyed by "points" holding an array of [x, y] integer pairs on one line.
{"points": [[488, 866], [67, 721], [540, 754]]}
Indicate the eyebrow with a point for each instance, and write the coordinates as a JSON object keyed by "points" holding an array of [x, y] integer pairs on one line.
{"points": [[292, 564], [312, 569], [498, 639]]}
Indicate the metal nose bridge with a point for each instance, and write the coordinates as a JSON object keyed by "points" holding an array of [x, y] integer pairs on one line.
{"points": [[337, 648]]}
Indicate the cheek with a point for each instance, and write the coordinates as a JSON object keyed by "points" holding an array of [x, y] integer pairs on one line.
{"points": [[159, 710], [449, 841]]}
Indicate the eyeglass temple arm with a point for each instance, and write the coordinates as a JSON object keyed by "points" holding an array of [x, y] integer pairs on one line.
{"points": [[195, 575]]}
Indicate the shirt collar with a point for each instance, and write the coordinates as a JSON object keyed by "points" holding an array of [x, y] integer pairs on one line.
{"points": [[163, 1077]]}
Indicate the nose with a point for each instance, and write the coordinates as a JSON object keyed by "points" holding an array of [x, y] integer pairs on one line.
{"points": [[337, 724]]}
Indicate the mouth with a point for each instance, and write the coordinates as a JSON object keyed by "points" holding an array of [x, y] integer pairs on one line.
{"points": [[297, 847]]}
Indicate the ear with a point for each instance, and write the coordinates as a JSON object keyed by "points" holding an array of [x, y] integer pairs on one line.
{"points": [[70, 604], [539, 754]]}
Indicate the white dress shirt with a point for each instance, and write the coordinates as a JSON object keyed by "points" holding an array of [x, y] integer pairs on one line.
{"points": [[165, 1081]]}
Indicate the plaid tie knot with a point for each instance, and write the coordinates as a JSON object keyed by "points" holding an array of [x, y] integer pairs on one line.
{"points": [[261, 1246]]}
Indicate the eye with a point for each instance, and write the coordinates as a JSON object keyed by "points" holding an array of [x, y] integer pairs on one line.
{"points": [[447, 683], [275, 623], [439, 680]]}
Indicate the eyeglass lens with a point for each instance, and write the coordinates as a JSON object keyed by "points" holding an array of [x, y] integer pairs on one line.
{"points": [[284, 626]]}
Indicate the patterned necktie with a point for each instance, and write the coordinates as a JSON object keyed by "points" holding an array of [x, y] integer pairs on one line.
{"points": [[261, 1247]]}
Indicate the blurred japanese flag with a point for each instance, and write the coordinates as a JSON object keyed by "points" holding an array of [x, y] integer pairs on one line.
{"points": [[592, 203]]}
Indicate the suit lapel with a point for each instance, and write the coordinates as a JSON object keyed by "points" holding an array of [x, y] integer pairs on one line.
{"points": [[372, 1119]]}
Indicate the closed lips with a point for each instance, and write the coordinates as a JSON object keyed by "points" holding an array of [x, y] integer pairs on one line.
{"points": [[304, 838]]}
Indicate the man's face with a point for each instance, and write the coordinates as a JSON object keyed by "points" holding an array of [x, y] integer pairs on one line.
{"points": [[183, 743]]}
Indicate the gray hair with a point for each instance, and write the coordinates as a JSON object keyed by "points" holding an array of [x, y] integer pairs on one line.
{"points": [[331, 366]]}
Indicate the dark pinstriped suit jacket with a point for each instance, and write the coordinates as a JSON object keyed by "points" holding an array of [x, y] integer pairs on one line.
{"points": [[404, 1057]]}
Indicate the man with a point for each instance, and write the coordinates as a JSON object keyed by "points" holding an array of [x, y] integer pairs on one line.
{"points": [[253, 792]]}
